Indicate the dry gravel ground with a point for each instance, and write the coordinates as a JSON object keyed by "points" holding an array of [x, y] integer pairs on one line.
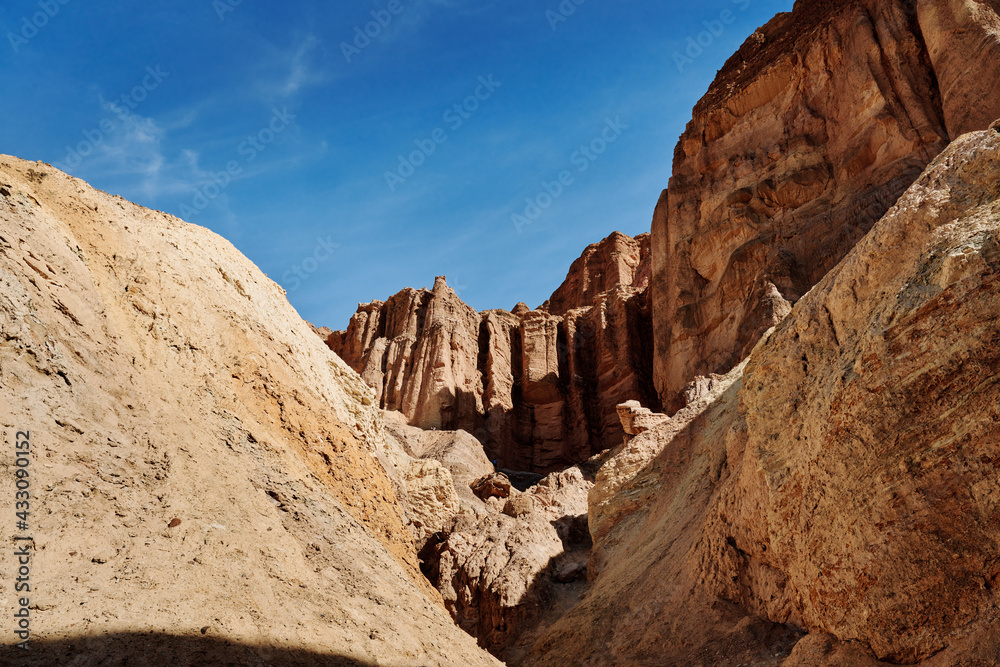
{"points": [[167, 382]]}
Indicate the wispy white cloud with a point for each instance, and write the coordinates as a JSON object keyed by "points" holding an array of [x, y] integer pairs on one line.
{"points": [[134, 149], [301, 73], [133, 155], [151, 158], [289, 71]]}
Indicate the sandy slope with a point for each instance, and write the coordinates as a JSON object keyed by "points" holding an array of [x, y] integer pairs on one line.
{"points": [[163, 377]]}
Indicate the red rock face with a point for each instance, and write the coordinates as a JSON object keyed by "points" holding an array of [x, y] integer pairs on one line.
{"points": [[809, 134], [420, 352], [617, 260], [538, 387]]}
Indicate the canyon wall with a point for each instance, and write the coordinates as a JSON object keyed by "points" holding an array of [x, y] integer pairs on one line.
{"points": [[833, 500], [808, 135], [827, 254], [538, 387]]}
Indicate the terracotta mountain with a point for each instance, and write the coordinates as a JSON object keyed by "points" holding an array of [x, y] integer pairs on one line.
{"points": [[819, 491], [807, 136], [805, 139], [538, 387], [834, 499]]}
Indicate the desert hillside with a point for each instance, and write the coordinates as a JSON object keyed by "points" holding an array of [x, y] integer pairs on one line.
{"points": [[811, 315], [205, 479]]}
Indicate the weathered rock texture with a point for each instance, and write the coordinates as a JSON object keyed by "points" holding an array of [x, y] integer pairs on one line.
{"points": [[204, 478], [637, 419], [420, 352], [539, 387], [842, 481], [616, 261], [492, 485], [460, 453], [805, 139], [507, 574]]}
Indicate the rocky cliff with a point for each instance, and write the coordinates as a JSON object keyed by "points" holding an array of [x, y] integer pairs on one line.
{"points": [[834, 499], [205, 480], [808, 135], [538, 387]]}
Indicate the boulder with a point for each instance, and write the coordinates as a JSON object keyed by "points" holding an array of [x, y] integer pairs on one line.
{"points": [[493, 485]]}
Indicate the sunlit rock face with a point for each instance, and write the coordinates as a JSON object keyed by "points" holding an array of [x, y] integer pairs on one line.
{"points": [[841, 482], [808, 135], [213, 484], [538, 387]]}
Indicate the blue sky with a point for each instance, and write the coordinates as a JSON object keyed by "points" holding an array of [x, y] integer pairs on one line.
{"points": [[338, 161]]}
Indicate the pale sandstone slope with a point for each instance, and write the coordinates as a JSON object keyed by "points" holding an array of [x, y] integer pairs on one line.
{"points": [[843, 480], [162, 377]]}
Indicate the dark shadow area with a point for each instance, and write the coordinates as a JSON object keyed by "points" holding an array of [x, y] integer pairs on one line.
{"points": [[514, 632], [574, 531], [640, 321], [522, 481], [564, 413], [162, 650], [509, 632]]}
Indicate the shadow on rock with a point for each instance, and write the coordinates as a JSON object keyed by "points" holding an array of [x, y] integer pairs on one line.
{"points": [[156, 650]]}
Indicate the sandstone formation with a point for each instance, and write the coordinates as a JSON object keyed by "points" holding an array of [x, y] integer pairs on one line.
{"points": [[507, 574], [211, 485], [459, 452], [429, 497], [614, 262], [538, 387], [808, 135], [493, 485], [506, 562], [637, 419], [205, 477], [841, 482], [419, 351]]}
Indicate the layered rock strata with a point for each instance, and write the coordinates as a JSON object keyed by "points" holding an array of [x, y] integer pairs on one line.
{"points": [[538, 387], [808, 135]]}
